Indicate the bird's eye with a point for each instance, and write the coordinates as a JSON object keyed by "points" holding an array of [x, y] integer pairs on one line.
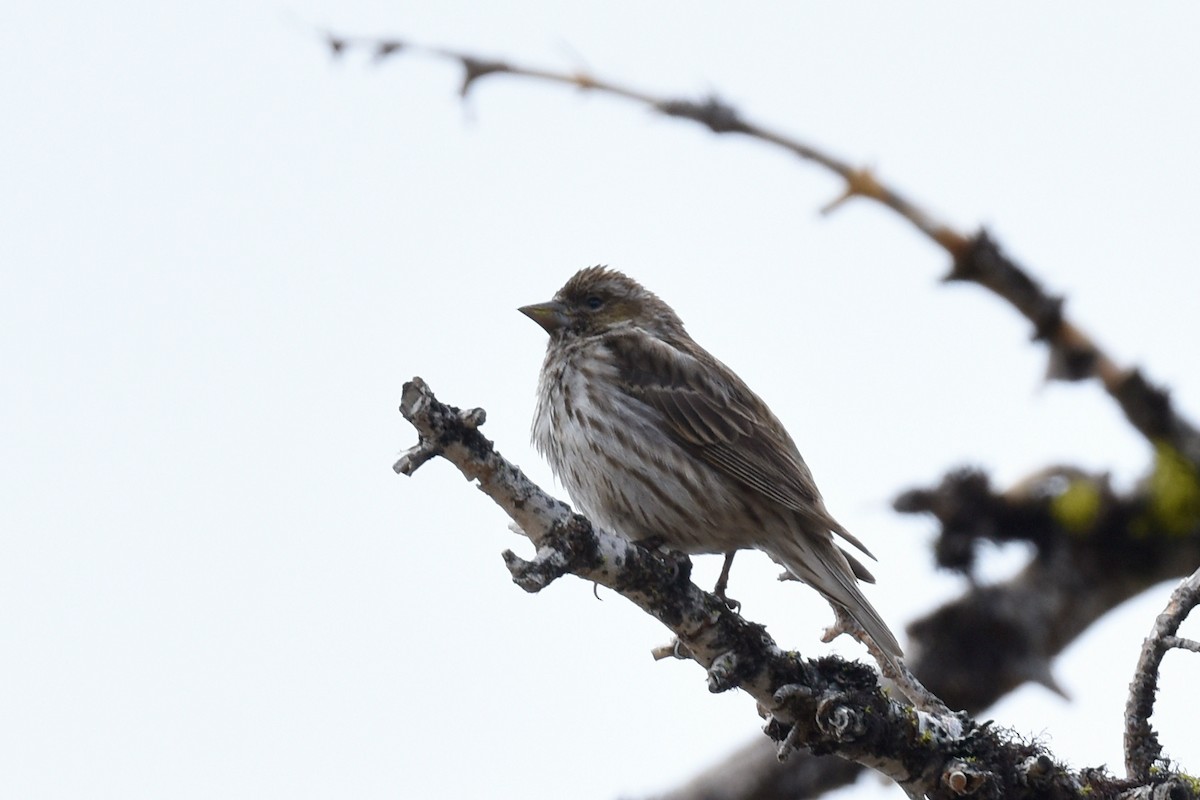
{"points": [[594, 302]]}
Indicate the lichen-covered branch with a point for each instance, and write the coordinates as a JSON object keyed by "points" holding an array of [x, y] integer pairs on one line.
{"points": [[1142, 749], [1094, 549], [976, 258], [994, 638], [824, 706]]}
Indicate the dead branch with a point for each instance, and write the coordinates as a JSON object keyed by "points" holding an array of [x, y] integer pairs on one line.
{"points": [[1044, 622], [1143, 753], [1095, 549], [825, 706], [975, 258]]}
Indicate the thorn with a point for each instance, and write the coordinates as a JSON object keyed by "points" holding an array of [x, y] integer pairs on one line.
{"points": [[859, 183], [583, 80], [837, 202], [386, 48], [475, 69], [1068, 364], [1039, 672], [337, 44]]}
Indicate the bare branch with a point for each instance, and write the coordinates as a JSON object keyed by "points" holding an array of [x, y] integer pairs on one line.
{"points": [[826, 706], [1095, 550], [1180, 643], [974, 650], [1073, 354], [1142, 749], [1038, 622], [975, 258]]}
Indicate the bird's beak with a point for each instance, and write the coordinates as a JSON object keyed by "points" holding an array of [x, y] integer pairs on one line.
{"points": [[551, 316]]}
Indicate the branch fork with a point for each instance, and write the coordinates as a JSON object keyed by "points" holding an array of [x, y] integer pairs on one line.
{"points": [[1143, 752]]}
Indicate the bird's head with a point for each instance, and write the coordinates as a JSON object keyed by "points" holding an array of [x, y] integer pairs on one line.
{"points": [[597, 300]]}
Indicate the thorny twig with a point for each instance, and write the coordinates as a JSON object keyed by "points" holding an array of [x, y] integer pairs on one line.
{"points": [[1073, 356], [975, 258]]}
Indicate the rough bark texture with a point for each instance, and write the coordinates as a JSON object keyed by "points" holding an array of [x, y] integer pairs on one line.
{"points": [[1094, 549], [826, 706]]}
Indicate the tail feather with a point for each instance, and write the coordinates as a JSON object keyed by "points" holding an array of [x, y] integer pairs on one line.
{"points": [[817, 561], [856, 566]]}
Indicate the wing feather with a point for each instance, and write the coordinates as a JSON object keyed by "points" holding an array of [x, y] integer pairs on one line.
{"points": [[710, 411]]}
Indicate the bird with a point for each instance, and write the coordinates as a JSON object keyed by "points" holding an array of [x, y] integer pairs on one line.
{"points": [[657, 441]]}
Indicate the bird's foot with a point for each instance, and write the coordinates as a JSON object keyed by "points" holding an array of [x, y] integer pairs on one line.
{"points": [[733, 605], [723, 583], [651, 543]]}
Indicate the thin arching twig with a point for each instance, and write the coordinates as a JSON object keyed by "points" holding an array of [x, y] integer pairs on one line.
{"points": [[976, 258]]}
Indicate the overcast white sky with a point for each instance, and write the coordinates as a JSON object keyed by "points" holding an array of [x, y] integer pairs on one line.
{"points": [[223, 254]]}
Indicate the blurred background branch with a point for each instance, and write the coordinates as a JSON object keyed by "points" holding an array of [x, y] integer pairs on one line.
{"points": [[1093, 548], [975, 258]]}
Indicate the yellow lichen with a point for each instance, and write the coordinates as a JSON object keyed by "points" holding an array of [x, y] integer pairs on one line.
{"points": [[1077, 506], [1173, 492]]}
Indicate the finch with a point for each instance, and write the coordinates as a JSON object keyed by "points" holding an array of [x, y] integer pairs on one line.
{"points": [[656, 440]]}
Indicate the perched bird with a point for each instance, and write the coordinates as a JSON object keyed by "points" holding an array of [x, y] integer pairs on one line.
{"points": [[656, 440]]}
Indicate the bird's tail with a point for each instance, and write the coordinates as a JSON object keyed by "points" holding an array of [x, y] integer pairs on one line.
{"points": [[817, 561]]}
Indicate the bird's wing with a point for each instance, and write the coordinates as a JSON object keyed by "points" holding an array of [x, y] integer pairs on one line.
{"points": [[711, 412]]}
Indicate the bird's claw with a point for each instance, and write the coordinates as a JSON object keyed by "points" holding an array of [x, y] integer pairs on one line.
{"points": [[723, 583]]}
